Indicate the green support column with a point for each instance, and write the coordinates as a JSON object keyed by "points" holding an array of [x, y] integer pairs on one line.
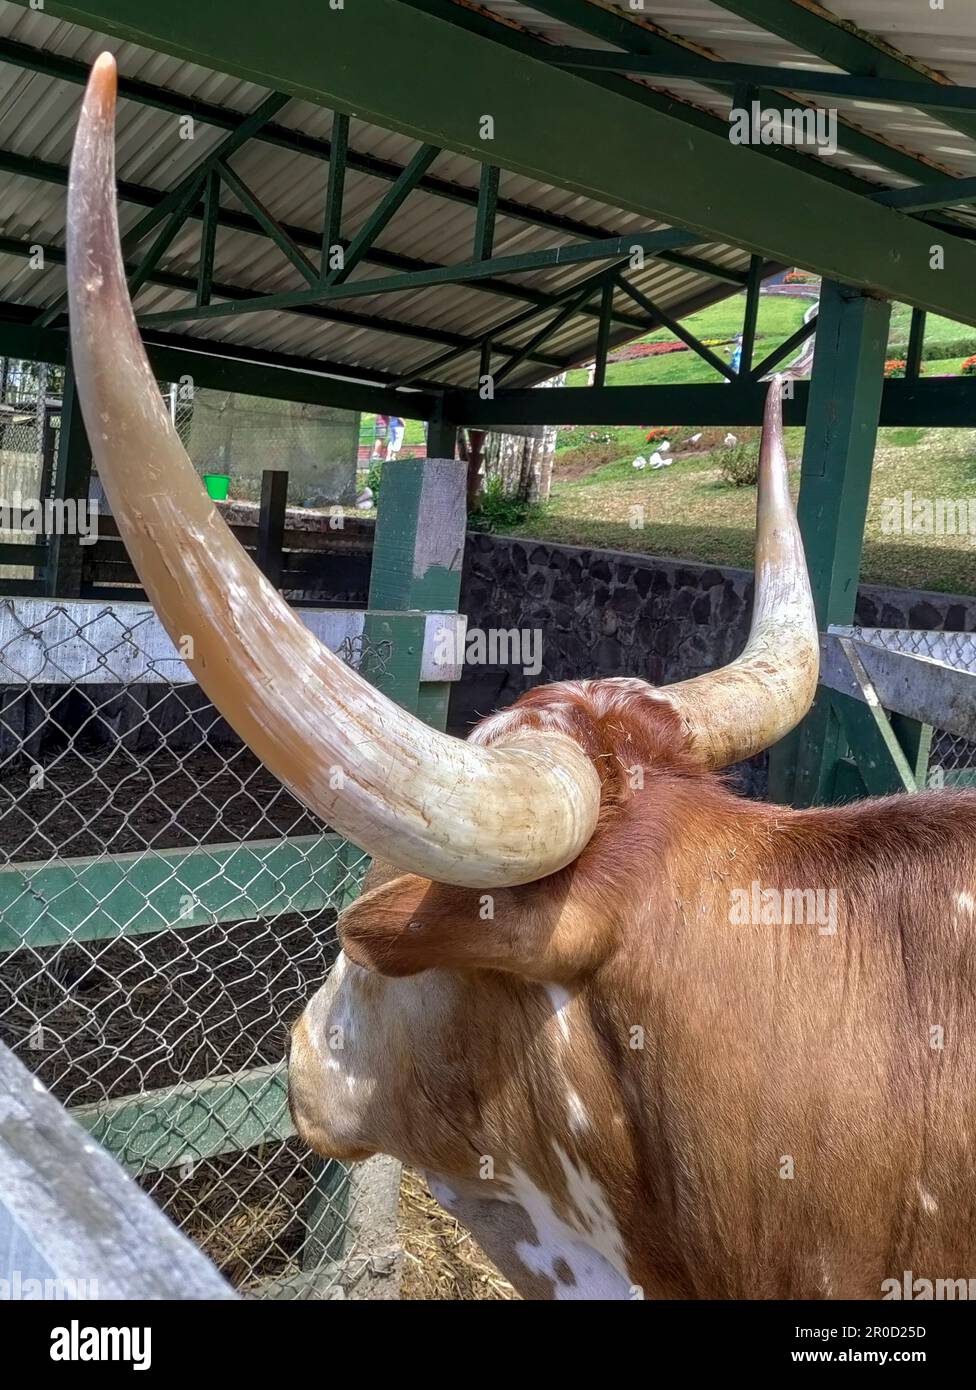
{"points": [[72, 475], [441, 437], [417, 555], [838, 453]]}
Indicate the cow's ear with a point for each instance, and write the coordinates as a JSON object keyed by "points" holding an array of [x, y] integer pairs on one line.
{"points": [[410, 924]]}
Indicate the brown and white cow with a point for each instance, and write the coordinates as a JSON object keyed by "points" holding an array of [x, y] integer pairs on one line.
{"points": [[640, 1034]]}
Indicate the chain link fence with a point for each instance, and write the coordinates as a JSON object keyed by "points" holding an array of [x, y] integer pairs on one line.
{"points": [[166, 910], [30, 416], [952, 756]]}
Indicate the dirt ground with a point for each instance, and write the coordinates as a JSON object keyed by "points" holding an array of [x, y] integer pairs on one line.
{"points": [[442, 1261]]}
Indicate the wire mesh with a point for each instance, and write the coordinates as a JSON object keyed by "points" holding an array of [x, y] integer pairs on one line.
{"points": [[166, 909], [952, 756], [240, 436]]}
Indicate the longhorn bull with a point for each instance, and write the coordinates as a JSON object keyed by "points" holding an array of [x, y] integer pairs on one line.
{"points": [[546, 999]]}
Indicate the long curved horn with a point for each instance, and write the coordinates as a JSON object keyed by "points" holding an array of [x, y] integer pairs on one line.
{"points": [[746, 706], [430, 804]]}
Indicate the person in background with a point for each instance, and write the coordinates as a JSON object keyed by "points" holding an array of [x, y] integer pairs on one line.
{"points": [[736, 358], [381, 427], [396, 437]]}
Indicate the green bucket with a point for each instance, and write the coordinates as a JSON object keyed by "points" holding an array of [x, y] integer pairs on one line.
{"points": [[217, 485]]}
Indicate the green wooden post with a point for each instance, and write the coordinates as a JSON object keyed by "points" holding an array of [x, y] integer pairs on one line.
{"points": [[441, 437], [71, 479], [916, 341], [838, 452], [750, 316], [417, 557]]}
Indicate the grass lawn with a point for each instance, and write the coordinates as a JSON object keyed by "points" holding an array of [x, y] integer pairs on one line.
{"points": [[689, 512]]}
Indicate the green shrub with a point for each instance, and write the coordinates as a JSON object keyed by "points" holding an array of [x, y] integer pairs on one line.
{"points": [[739, 464], [373, 479], [933, 351], [497, 511]]}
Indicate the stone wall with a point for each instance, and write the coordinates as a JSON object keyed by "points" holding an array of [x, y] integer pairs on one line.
{"points": [[610, 613]]}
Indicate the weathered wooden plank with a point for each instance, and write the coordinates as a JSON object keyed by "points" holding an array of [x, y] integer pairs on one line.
{"points": [[69, 1214], [105, 896], [196, 1120], [917, 686], [95, 642]]}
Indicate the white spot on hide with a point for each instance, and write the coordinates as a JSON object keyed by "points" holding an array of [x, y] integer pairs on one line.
{"points": [[560, 1000], [587, 1242], [928, 1203]]}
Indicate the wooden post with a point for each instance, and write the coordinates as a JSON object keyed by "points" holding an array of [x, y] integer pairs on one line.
{"points": [[271, 523], [838, 453], [72, 476], [441, 437], [417, 555]]}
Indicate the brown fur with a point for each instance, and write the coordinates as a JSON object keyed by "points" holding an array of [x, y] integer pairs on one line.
{"points": [[762, 1044]]}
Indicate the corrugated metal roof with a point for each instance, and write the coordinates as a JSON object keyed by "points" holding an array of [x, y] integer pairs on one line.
{"points": [[38, 113]]}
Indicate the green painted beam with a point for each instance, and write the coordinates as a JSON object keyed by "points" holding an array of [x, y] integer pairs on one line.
{"points": [[208, 237], [784, 349], [628, 31], [916, 341], [271, 227], [835, 479], [197, 1120], [574, 305], [279, 376], [603, 333], [937, 98], [843, 44], [944, 403], [661, 316], [383, 213], [335, 190], [484, 227], [49, 172], [940, 193], [107, 896], [657, 164], [750, 315], [464, 273]]}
